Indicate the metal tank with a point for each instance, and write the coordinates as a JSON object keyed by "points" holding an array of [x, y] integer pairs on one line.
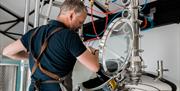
{"points": [[8, 75]]}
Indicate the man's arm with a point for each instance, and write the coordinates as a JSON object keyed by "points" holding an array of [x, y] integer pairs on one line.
{"points": [[89, 60], [16, 51]]}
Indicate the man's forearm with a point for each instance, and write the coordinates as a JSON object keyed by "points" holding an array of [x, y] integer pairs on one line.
{"points": [[16, 50]]}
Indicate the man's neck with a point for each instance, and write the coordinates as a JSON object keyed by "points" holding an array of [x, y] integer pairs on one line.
{"points": [[63, 20]]}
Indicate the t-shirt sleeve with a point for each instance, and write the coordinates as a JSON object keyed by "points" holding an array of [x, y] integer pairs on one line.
{"points": [[75, 44], [25, 39]]}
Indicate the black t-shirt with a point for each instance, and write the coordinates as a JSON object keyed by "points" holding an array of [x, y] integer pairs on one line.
{"points": [[60, 55]]}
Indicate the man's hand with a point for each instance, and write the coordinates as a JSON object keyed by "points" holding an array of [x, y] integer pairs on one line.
{"points": [[97, 81], [93, 51], [102, 75]]}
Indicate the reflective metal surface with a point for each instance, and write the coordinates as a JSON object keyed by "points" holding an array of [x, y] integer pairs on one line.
{"points": [[8, 77], [119, 31]]}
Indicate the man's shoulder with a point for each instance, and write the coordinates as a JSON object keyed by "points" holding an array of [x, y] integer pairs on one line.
{"points": [[38, 28], [67, 31]]}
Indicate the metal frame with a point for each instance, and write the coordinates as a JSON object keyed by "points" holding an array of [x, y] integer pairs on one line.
{"points": [[36, 23], [158, 17], [15, 22], [103, 44], [100, 6]]}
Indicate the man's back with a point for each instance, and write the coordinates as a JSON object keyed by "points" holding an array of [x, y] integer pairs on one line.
{"points": [[60, 55]]}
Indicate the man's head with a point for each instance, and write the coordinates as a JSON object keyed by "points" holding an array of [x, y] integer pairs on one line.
{"points": [[72, 13]]}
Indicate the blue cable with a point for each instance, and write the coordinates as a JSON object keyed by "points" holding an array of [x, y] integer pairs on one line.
{"points": [[113, 1], [90, 35], [144, 5]]}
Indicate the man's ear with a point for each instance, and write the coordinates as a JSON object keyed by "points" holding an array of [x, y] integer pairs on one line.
{"points": [[71, 15]]}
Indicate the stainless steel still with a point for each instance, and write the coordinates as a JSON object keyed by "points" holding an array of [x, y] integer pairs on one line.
{"points": [[8, 77]]}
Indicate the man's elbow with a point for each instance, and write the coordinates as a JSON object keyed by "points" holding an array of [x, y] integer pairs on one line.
{"points": [[5, 53], [8, 54]]}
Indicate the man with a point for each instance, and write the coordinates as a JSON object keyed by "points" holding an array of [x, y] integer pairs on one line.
{"points": [[63, 49]]}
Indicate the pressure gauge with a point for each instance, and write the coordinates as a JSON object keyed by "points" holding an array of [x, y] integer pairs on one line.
{"points": [[116, 46]]}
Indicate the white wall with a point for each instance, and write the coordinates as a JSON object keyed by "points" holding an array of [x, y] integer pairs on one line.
{"points": [[163, 43]]}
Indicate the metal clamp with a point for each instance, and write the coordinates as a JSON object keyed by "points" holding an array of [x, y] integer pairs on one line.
{"points": [[160, 69]]}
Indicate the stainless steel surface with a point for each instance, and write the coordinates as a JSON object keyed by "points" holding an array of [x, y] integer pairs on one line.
{"points": [[135, 67], [41, 6], [57, 3], [126, 13], [26, 16], [147, 83], [24, 76], [125, 2], [48, 11], [121, 31], [36, 14], [102, 6], [133, 7], [26, 20], [8, 77], [160, 69]]}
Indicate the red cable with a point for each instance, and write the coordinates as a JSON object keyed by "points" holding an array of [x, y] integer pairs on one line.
{"points": [[110, 12], [145, 23], [106, 23], [94, 28], [94, 25], [92, 39]]}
